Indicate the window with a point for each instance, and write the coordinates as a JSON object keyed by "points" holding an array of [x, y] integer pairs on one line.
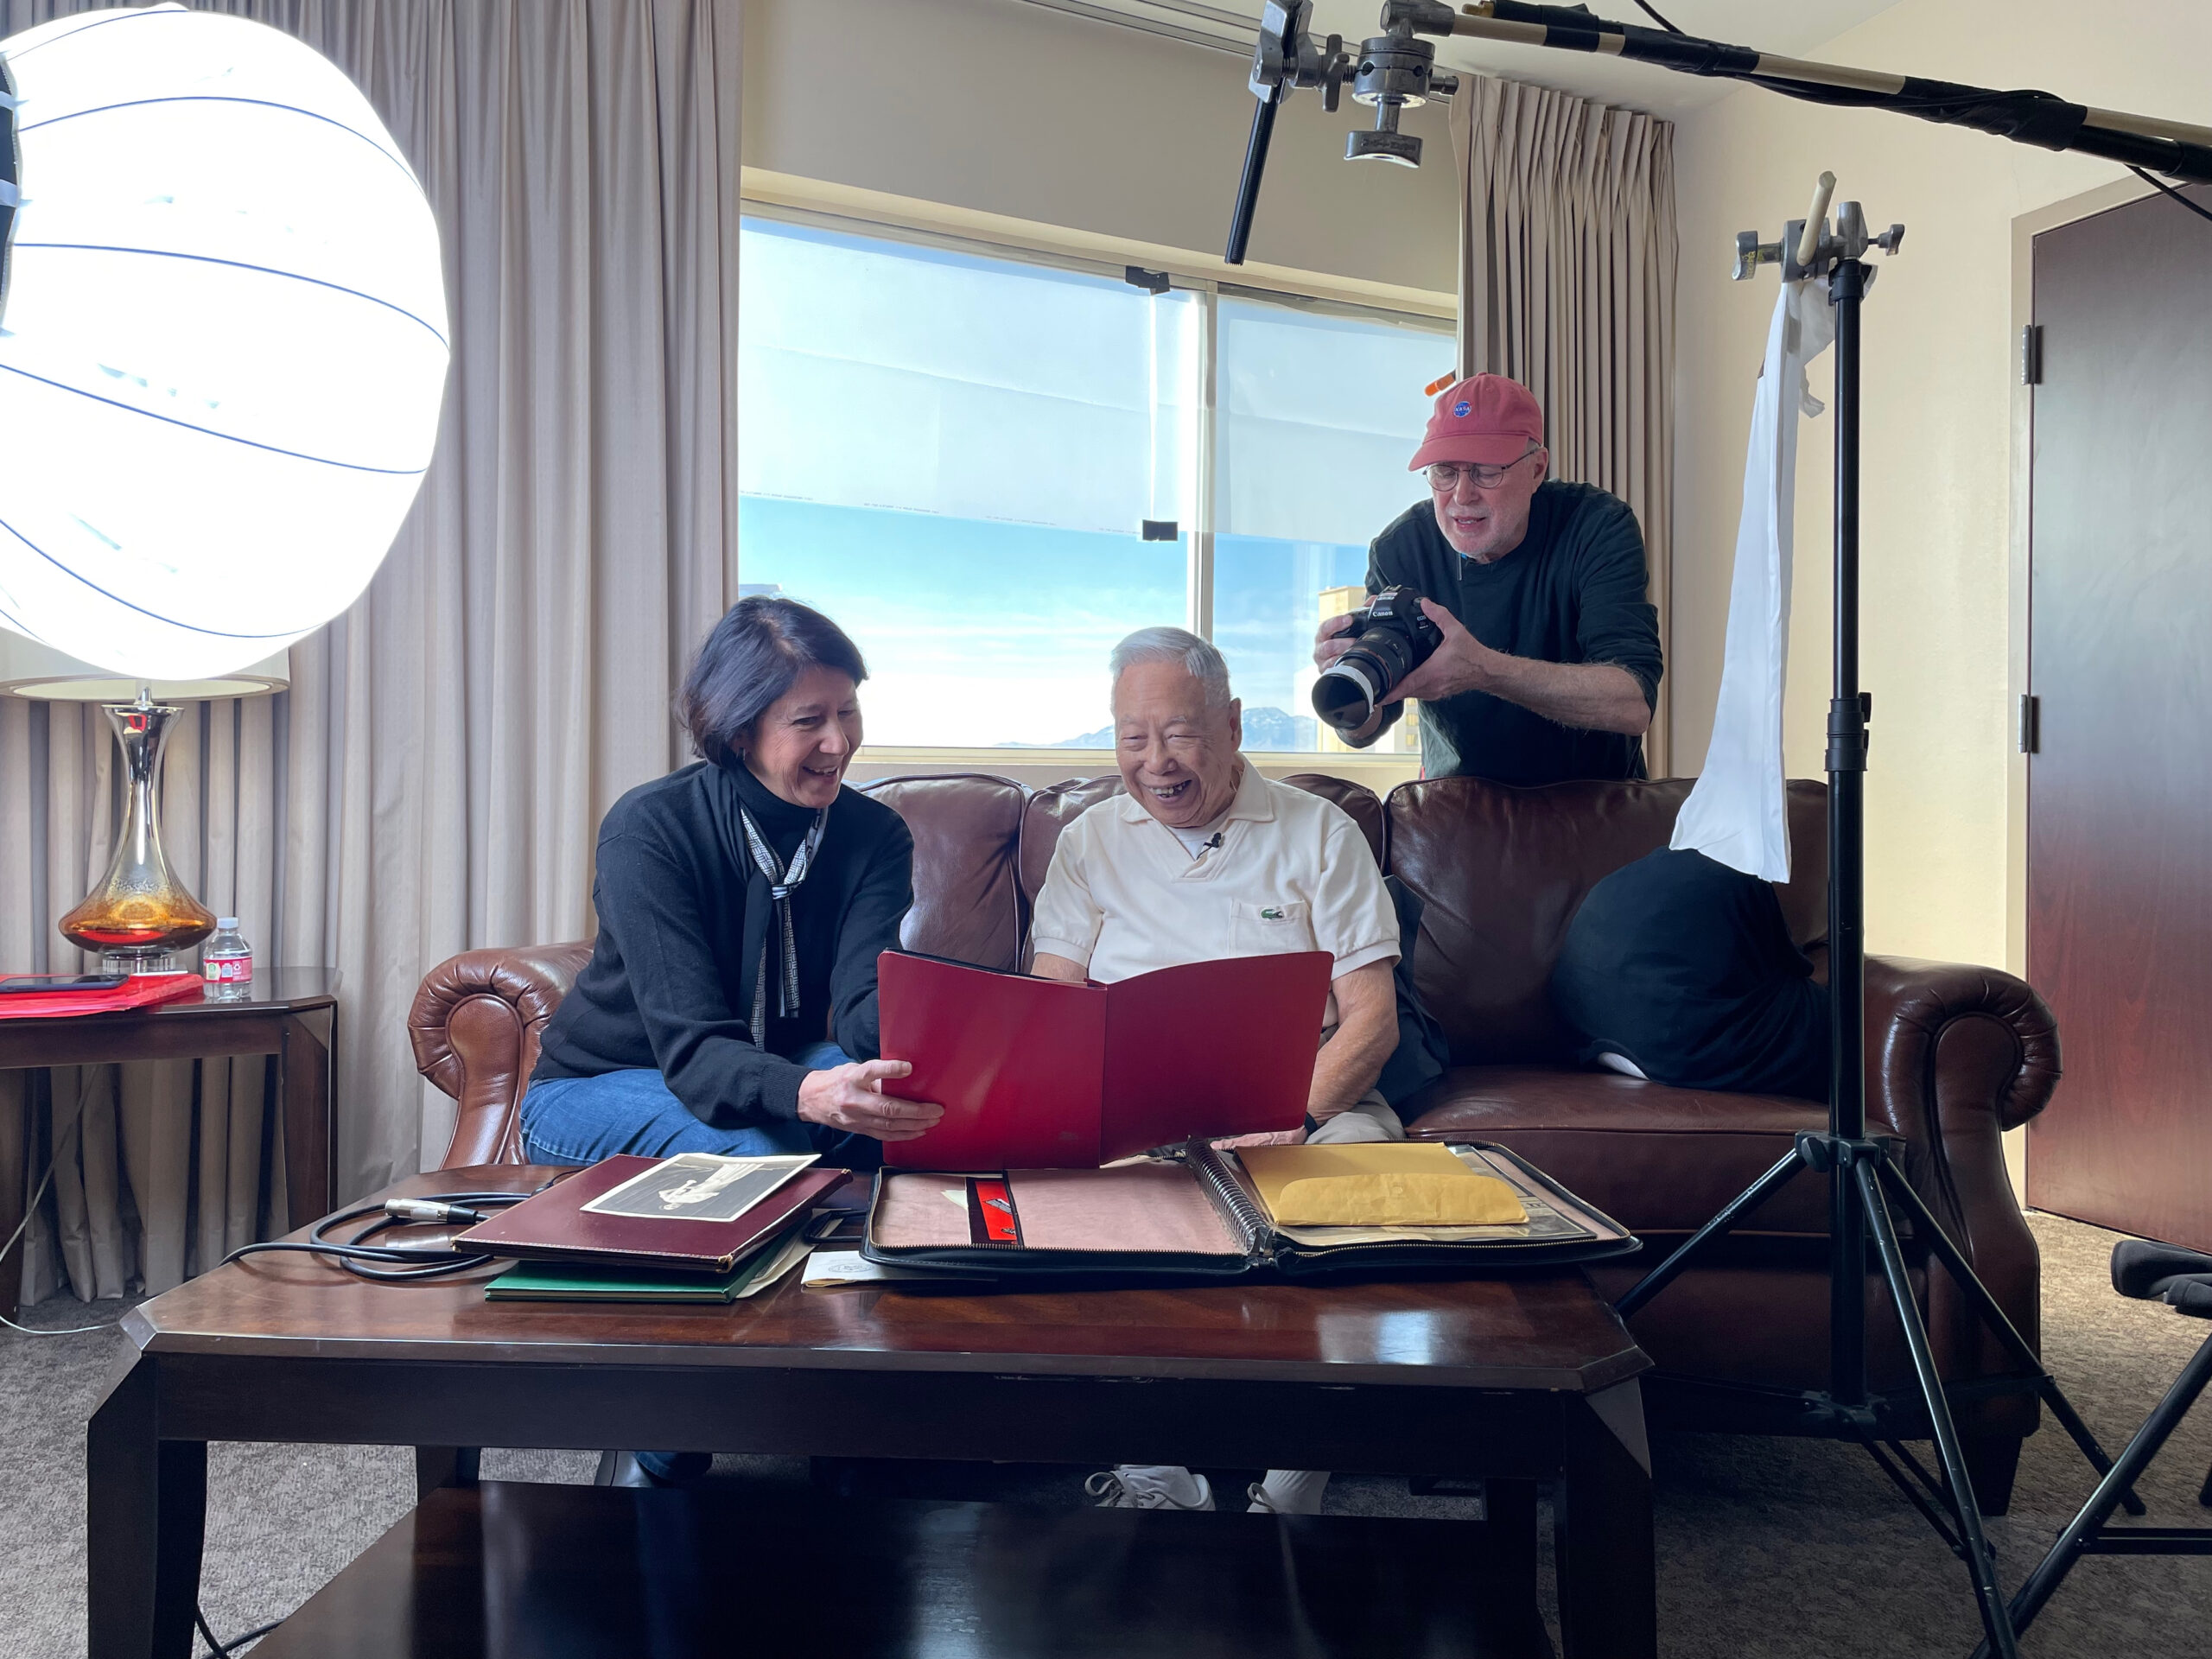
{"points": [[1316, 416], [990, 469]]}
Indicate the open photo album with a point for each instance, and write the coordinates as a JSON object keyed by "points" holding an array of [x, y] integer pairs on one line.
{"points": [[1210, 1211]]}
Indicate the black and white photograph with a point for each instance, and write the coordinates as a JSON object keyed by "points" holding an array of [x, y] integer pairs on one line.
{"points": [[700, 1187]]}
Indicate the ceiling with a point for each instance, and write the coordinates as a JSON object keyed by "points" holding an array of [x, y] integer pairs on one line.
{"points": [[1793, 29]]}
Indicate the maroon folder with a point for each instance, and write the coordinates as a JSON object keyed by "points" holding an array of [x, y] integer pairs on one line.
{"points": [[1041, 1074], [553, 1226]]}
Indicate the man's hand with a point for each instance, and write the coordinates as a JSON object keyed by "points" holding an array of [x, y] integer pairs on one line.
{"points": [[1588, 696], [851, 1097], [1327, 645], [1461, 662]]}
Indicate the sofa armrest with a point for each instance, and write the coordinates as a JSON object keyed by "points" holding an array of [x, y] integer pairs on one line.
{"points": [[1954, 1056], [475, 1027], [1973, 1039]]}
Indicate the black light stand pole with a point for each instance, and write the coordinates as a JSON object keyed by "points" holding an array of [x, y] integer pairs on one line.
{"points": [[1846, 771], [1856, 1165]]}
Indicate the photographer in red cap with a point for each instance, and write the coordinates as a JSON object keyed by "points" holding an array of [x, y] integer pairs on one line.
{"points": [[1550, 661]]}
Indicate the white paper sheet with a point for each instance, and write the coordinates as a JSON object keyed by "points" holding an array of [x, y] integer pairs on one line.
{"points": [[1735, 813]]}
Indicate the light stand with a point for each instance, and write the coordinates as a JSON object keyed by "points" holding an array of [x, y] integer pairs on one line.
{"points": [[1865, 1179], [1394, 69]]}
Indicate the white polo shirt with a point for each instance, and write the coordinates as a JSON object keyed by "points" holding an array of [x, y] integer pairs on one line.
{"points": [[1293, 872]]}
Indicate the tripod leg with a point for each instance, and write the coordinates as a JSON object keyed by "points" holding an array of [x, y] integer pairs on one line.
{"points": [[1933, 1516], [2134, 1458], [1978, 1297], [1736, 1209], [1996, 1620]]}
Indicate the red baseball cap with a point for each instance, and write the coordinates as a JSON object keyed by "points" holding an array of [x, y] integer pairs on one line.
{"points": [[1487, 419]]}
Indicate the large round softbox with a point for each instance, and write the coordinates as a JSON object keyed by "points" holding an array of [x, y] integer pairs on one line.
{"points": [[223, 345]]}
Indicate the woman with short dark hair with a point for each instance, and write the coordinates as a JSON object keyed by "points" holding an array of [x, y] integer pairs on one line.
{"points": [[729, 1003]]}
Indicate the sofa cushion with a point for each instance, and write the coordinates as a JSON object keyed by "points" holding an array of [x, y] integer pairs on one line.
{"points": [[1048, 811], [1053, 809], [968, 905], [1500, 872], [1656, 1160]]}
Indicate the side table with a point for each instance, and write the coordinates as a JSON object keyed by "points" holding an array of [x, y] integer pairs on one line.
{"points": [[273, 1020]]}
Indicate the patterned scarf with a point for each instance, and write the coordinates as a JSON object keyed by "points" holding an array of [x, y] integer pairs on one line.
{"points": [[782, 883]]}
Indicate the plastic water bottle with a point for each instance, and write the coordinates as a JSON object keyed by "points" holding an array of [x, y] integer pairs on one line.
{"points": [[226, 963]]}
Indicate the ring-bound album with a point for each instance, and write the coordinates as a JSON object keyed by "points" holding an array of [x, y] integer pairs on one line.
{"points": [[1209, 1212]]}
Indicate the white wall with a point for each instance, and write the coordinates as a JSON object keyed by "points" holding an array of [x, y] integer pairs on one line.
{"points": [[1939, 370], [1000, 107]]}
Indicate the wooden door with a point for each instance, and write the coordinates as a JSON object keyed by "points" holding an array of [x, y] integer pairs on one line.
{"points": [[2119, 791]]}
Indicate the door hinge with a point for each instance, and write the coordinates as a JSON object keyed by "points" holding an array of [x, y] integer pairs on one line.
{"points": [[2031, 355], [1159, 530], [2031, 724], [1152, 281]]}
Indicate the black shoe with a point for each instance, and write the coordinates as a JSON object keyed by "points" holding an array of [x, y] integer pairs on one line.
{"points": [[629, 1469]]}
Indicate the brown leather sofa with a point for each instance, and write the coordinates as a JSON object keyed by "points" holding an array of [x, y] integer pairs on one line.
{"points": [[1955, 1055]]}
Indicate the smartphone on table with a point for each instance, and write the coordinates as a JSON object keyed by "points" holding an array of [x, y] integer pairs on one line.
{"points": [[63, 982]]}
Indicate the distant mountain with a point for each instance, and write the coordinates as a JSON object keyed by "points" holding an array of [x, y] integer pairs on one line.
{"points": [[1265, 729], [1271, 728]]}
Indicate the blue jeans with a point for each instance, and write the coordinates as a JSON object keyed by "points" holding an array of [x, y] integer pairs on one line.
{"points": [[582, 1120]]}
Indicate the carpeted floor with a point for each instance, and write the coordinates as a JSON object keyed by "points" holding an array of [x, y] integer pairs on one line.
{"points": [[1765, 1546]]}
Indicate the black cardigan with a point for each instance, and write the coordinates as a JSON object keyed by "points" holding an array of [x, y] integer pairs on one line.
{"points": [[667, 989]]}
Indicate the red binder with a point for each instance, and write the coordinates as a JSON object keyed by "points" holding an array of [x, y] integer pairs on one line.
{"points": [[1039, 1074], [554, 1225]]}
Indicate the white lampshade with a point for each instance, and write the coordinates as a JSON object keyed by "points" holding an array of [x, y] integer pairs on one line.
{"points": [[223, 348], [30, 669]]}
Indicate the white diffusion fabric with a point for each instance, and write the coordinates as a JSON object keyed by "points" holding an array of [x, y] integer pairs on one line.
{"points": [[1736, 812], [224, 344]]}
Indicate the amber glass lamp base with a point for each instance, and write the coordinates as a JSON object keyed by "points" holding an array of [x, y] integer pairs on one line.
{"points": [[139, 913]]}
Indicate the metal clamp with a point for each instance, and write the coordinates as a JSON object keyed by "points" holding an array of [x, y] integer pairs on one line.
{"points": [[1810, 246]]}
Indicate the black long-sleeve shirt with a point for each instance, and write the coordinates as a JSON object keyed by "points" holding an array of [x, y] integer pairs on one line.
{"points": [[669, 985], [1572, 592]]}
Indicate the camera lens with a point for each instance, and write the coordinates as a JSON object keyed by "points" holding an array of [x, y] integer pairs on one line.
{"points": [[1344, 694], [1348, 689]]}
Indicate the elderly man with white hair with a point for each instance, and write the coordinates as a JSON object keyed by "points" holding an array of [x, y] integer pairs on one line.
{"points": [[1203, 858]]}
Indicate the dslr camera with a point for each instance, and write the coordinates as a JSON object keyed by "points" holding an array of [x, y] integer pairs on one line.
{"points": [[1391, 636]]}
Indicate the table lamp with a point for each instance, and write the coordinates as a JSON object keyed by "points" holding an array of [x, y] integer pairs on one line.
{"points": [[139, 915], [222, 354]]}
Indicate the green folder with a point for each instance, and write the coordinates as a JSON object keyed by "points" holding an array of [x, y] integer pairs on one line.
{"points": [[546, 1281]]}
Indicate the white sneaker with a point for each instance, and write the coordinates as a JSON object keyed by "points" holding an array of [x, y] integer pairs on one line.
{"points": [[1288, 1491], [1150, 1486]]}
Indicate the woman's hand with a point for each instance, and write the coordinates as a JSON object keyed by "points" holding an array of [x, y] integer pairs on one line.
{"points": [[851, 1097]]}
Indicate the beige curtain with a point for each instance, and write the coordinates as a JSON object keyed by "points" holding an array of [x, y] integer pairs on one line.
{"points": [[1567, 283], [434, 779]]}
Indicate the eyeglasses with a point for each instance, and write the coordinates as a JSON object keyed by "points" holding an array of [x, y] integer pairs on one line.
{"points": [[1444, 476]]}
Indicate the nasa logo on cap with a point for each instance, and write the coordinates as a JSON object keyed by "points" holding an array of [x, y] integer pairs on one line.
{"points": [[1462, 409]]}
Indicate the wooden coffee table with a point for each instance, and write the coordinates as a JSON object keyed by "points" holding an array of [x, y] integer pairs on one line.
{"points": [[1515, 1380]]}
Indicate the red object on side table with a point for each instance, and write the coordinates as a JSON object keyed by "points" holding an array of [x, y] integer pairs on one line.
{"points": [[139, 991]]}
